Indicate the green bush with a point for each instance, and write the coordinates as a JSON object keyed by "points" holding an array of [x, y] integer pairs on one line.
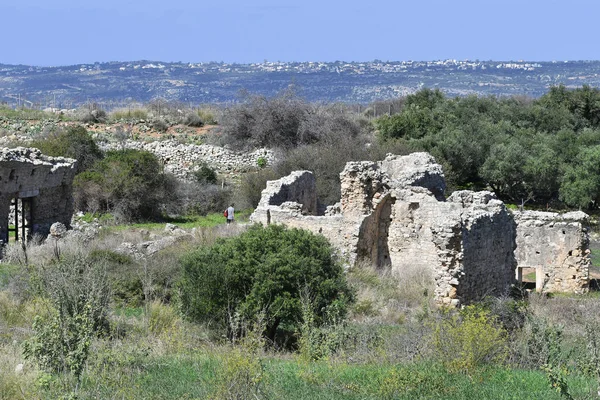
{"points": [[264, 270], [73, 142], [123, 275], [79, 293], [205, 174], [469, 339], [128, 183]]}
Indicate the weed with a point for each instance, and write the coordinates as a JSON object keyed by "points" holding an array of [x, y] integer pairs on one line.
{"points": [[469, 339]]}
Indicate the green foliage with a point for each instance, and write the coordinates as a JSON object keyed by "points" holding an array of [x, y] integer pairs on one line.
{"points": [[128, 183], [524, 150], [25, 113], [318, 342], [581, 182], [469, 339], [557, 379], [205, 175], [73, 142], [61, 343], [79, 293], [261, 162], [263, 270], [134, 114], [409, 382], [123, 276]]}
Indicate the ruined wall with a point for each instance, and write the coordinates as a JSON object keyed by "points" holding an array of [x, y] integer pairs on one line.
{"points": [[488, 246], [393, 215], [557, 247], [26, 173], [467, 242], [298, 187]]}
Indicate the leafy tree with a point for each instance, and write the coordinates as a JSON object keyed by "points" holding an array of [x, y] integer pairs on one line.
{"points": [[264, 271], [129, 183], [580, 186], [73, 142], [503, 170]]}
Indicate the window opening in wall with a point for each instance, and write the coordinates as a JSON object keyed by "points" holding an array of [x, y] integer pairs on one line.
{"points": [[20, 220], [527, 278]]}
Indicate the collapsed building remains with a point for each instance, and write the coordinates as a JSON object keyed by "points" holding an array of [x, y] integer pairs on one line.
{"points": [[35, 192], [393, 214]]}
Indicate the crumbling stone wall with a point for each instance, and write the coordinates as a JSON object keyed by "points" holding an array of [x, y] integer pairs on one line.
{"points": [[557, 247], [393, 214], [26, 173]]}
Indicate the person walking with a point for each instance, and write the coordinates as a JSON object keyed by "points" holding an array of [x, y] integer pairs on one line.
{"points": [[230, 213]]}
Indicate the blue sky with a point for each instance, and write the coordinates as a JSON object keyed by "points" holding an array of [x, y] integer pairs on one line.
{"points": [[65, 32]]}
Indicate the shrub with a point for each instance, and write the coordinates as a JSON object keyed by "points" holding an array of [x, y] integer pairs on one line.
{"points": [[469, 339], [205, 174], [193, 119], [123, 276], [287, 121], [263, 270], [265, 122], [252, 185], [261, 162], [199, 199], [208, 116], [91, 113], [79, 293], [160, 125], [326, 160], [128, 183], [73, 142]]}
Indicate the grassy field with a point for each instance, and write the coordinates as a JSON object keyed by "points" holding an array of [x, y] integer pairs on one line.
{"points": [[205, 221]]}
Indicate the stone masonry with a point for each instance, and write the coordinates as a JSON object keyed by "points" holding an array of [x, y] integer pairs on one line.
{"points": [[40, 185], [556, 247], [393, 214]]}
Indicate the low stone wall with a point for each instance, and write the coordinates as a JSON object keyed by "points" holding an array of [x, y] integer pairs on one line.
{"points": [[179, 158]]}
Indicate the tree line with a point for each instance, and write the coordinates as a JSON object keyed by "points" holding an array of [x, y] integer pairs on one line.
{"points": [[543, 151]]}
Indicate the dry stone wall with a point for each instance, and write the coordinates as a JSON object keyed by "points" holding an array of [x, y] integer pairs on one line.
{"points": [[180, 159], [393, 215]]}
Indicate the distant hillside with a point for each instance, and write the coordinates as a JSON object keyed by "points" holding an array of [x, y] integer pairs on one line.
{"points": [[120, 83]]}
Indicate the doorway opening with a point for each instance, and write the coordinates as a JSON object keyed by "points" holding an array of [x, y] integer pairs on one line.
{"points": [[20, 219]]}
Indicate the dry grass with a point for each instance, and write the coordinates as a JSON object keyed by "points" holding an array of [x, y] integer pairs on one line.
{"points": [[386, 297]]}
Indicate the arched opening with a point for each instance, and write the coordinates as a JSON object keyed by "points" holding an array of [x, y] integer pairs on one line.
{"points": [[373, 236]]}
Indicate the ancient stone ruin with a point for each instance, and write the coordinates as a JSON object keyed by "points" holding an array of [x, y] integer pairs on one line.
{"points": [[393, 214], [35, 192]]}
